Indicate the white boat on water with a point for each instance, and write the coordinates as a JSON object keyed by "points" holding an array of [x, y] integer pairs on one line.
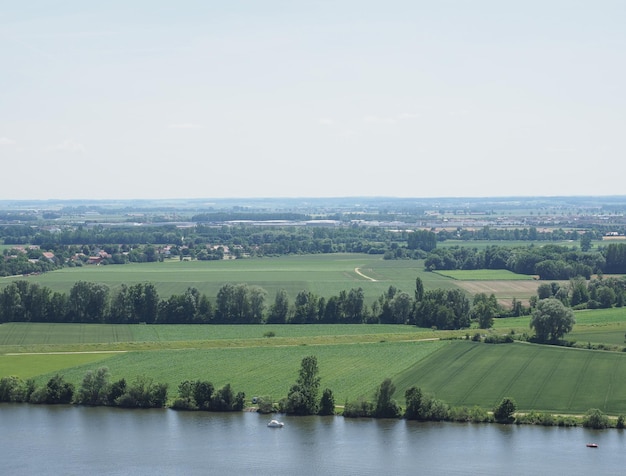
{"points": [[275, 424]]}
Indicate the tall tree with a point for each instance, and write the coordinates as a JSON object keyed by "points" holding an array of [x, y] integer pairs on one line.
{"points": [[303, 396], [385, 406], [551, 320], [279, 311]]}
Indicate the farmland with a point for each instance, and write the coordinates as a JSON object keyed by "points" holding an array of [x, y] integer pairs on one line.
{"points": [[353, 359], [324, 275]]}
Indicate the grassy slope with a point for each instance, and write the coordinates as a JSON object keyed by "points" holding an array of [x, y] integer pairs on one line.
{"points": [[543, 378], [350, 370]]}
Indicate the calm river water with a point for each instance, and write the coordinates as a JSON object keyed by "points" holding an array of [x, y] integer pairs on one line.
{"points": [[67, 440]]}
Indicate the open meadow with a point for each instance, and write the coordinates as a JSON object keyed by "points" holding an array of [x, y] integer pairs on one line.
{"points": [[324, 275]]}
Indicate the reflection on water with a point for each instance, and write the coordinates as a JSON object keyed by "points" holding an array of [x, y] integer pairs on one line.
{"points": [[68, 440]]}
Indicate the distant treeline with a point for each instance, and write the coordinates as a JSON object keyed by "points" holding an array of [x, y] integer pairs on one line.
{"points": [[274, 240], [75, 246], [549, 262]]}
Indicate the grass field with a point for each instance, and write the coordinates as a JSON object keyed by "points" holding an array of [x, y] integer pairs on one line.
{"points": [[353, 360], [542, 378], [605, 326], [324, 275]]}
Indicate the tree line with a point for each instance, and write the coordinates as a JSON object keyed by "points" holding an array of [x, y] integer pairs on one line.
{"points": [[549, 262], [88, 302]]}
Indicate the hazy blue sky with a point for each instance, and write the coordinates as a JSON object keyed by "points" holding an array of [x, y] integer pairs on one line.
{"points": [[156, 99]]}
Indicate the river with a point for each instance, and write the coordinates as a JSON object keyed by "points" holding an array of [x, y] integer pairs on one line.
{"points": [[70, 440]]}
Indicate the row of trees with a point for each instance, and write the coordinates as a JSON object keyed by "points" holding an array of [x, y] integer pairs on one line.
{"points": [[598, 293], [549, 262], [96, 388], [88, 302]]}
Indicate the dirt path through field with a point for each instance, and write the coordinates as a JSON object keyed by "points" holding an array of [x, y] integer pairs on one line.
{"points": [[358, 271]]}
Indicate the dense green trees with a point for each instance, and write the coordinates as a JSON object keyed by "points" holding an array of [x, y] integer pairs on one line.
{"points": [[484, 310], [302, 398], [443, 309], [551, 320], [327, 403], [504, 412], [385, 406], [95, 388], [615, 258], [549, 261], [234, 304], [143, 392], [422, 240], [56, 391]]}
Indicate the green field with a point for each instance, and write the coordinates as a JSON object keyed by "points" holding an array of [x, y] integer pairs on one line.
{"points": [[324, 275], [483, 275], [353, 361], [542, 378], [600, 326]]}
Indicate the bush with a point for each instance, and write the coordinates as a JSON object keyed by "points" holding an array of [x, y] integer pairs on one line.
{"points": [[461, 414], [57, 390], [495, 339], [13, 389], [265, 405], [143, 393], [480, 415], [360, 408], [504, 412], [594, 418], [327, 403]]}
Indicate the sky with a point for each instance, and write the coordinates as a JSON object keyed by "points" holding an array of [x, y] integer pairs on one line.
{"points": [[342, 98]]}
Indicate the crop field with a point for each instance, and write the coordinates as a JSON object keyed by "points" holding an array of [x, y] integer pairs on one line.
{"points": [[65, 336], [350, 370], [324, 275], [600, 326], [542, 378], [504, 290], [483, 275], [353, 360]]}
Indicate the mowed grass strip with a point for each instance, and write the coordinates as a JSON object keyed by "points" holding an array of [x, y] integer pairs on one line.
{"points": [[543, 378], [350, 371]]}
